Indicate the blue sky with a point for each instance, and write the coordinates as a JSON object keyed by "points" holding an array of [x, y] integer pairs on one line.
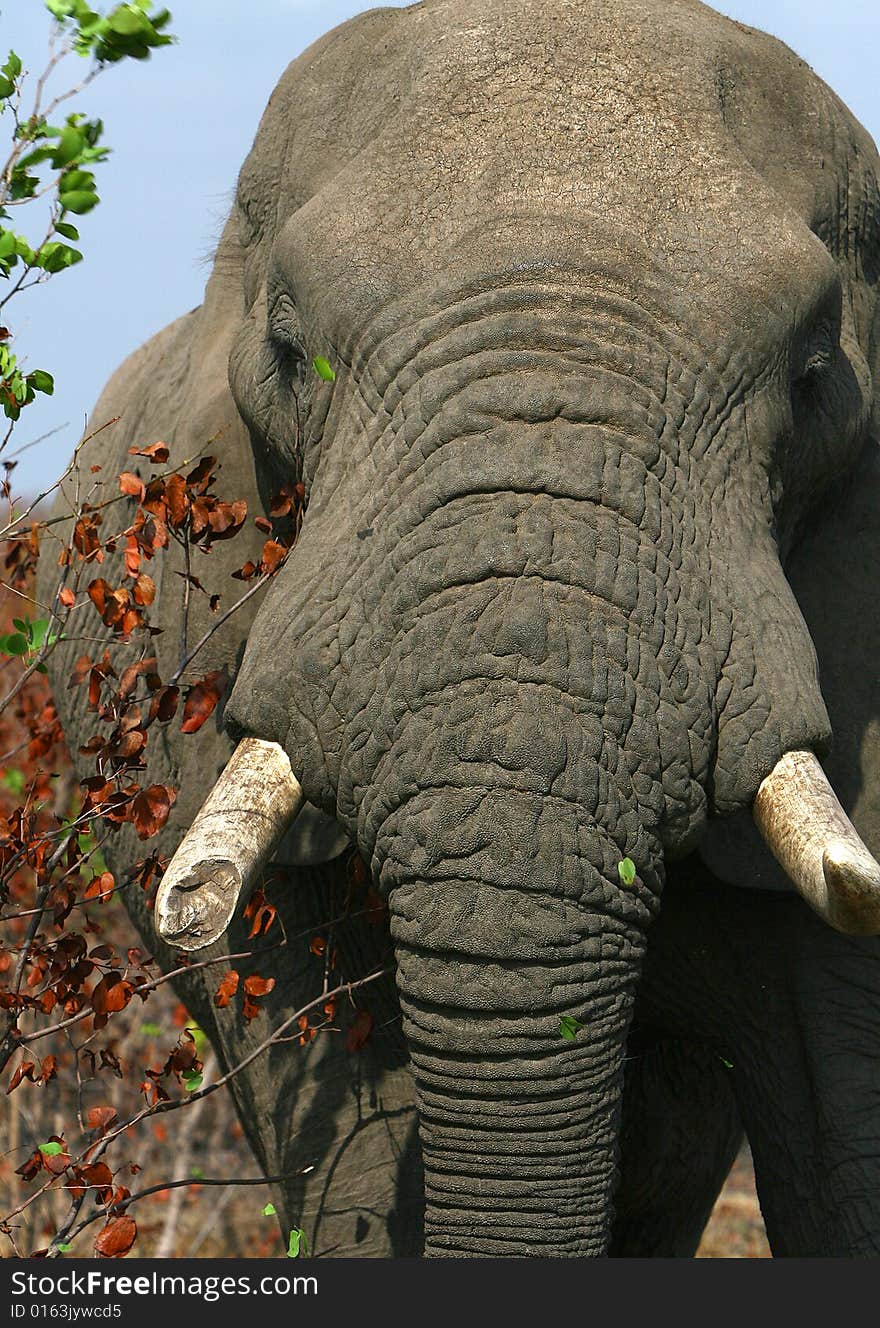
{"points": [[180, 126]]}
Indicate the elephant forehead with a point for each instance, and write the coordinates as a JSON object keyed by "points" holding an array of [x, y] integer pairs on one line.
{"points": [[395, 143]]}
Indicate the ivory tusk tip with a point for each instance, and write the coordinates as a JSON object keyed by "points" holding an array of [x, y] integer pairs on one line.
{"points": [[853, 881], [194, 911]]}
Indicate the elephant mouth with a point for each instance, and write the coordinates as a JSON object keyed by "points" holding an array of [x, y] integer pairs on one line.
{"points": [[258, 796]]}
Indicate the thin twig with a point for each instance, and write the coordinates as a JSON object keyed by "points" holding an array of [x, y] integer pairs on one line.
{"points": [[172, 1185], [218, 624]]}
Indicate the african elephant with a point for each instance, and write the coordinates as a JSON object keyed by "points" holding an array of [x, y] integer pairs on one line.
{"points": [[594, 483]]}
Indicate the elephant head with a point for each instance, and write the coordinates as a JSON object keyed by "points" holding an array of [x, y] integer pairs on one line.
{"points": [[599, 286]]}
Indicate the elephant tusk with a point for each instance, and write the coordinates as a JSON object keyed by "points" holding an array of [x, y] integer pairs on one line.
{"points": [[245, 816], [810, 835]]}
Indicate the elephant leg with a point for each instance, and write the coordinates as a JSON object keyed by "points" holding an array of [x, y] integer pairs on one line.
{"points": [[337, 1120], [809, 1087], [795, 1008], [355, 1118], [349, 1115], [680, 1134]]}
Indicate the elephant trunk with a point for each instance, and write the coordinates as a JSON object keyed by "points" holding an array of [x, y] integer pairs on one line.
{"points": [[517, 966]]}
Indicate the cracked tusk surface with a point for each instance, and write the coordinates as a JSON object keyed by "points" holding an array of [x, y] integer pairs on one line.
{"points": [[244, 818], [811, 836]]}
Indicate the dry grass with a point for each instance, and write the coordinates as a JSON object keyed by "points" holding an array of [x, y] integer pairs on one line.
{"points": [[736, 1229]]}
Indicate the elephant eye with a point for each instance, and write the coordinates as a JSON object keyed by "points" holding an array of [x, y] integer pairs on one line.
{"points": [[284, 335], [818, 354]]}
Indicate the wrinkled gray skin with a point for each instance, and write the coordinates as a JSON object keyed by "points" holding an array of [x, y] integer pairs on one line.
{"points": [[599, 278]]}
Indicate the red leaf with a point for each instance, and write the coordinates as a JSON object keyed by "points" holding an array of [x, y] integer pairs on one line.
{"points": [[157, 452], [260, 914], [100, 887], [200, 478], [164, 704], [99, 591], [25, 1071], [116, 1238], [245, 573], [144, 589], [97, 1176], [132, 556], [273, 556], [131, 485], [101, 1118], [201, 700], [131, 674], [150, 809], [360, 1031], [59, 1163], [29, 1169], [176, 499], [80, 670], [227, 989], [257, 986], [67, 597], [111, 994], [281, 503]]}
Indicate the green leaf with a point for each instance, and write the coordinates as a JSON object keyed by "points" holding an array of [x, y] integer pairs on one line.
{"points": [[63, 1249], [37, 632], [269, 1210], [626, 870], [15, 781], [129, 21], [192, 1082], [24, 251], [151, 1030], [55, 256], [51, 1149], [297, 1246], [41, 381], [14, 644], [69, 232], [75, 180], [7, 243], [199, 1037], [79, 201], [324, 369], [729, 1064], [569, 1026], [61, 9], [70, 145], [12, 68], [7, 87]]}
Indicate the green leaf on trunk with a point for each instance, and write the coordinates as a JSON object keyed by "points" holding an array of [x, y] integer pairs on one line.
{"points": [[297, 1246], [627, 871], [568, 1027], [324, 369], [729, 1064], [269, 1210]]}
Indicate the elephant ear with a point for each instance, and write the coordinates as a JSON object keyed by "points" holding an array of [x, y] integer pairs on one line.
{"points": [[175, 389], [835, 575]]}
